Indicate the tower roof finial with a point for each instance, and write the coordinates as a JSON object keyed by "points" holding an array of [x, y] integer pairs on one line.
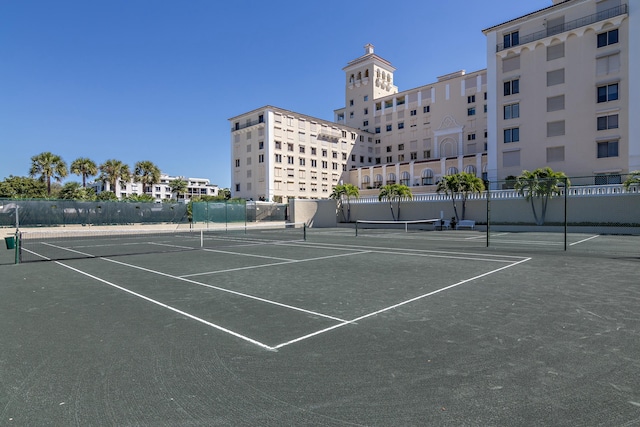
{"points": [[368, 48]]}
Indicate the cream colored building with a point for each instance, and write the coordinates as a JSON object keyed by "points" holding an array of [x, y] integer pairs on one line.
{"points": [[557, 92], [562, 90], [279, 154]]}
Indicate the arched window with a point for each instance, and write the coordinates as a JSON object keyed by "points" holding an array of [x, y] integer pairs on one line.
{"points": [[391, 178], [470, 169], [427, 177], [378, 73], [366, 73], [352, 78], [366, 181], [405, 179], [378, 181], [359, 75], [452, 170]]}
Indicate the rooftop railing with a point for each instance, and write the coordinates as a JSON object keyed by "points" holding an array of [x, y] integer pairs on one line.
{"points": [[568, 26]]}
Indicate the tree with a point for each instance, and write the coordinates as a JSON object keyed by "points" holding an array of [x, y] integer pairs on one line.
{"points": [[113, 171], [107, 196], [85, 168], [140, 198], [22, 187], [395, 193], [49, 166], [345, 192], [74, 191], [462, 184], [634, 179], [224, 193], [178, 186], [147, 173], [543, 184]]}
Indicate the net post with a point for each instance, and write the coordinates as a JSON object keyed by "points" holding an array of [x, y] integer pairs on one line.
{"points": [[566, 191], [406, 227], [356, 228], [201, 239], [488, 211], [304, 231], [17, 248]]}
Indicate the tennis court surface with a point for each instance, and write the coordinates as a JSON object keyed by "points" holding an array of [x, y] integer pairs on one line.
{"points": [[387, 328]]}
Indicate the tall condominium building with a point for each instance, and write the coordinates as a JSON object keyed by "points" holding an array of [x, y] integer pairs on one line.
{"points": [[562, 92], [279, 154], [558, 91]]}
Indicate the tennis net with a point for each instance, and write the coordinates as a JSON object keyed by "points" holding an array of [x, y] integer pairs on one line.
{"points": [[55, 244], [382, 227]]}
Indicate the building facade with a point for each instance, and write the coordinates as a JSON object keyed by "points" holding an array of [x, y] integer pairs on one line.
{"points": [[562, 91], [279, 154], [557, 92], [162, 190]]}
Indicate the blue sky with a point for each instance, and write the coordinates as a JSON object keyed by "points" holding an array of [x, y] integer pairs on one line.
{"points": [[157, 79]]}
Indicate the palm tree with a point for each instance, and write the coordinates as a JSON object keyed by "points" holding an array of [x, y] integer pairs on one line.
{"points": [[148, 174], [178, 186], [634, 179], [48, 166], [395, 193], [113, 171], [85, 168], [74, 191], [345, 191], [541, 183], [463, 184]]}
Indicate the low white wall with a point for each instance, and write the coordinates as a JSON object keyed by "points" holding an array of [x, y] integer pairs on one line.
{"points": [[314, 213]]}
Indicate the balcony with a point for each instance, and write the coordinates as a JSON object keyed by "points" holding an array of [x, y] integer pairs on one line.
{"points": [[239, 126], [568, 26]]}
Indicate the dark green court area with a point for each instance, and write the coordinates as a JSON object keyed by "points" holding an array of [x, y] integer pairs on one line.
{"points": [[387, 328]]}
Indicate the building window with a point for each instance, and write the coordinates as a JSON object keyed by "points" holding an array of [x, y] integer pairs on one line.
{"points": [[237, 163], [414, 155], [261, 158], [278, 145], [602, 179], [400, 147], [555, 154], [302, 162], [290, 160], [608, 122], [607, 149], [471, 137], [278, 158], [401, 125], [427, 177], [324, 153], [389, 159], [366, 111], [260, 145], [511, 39], [471, 111], [237, 187], [351, 102], [334, 165], [388, 148], [378, 129], [608, 93], [512, 87], [610, 37], [365, 123], [334, 154], [314, 163], [366, 98], [426, 109], [471, 99], [389, 128], [511, 135], [413, 112], [324, 164]]}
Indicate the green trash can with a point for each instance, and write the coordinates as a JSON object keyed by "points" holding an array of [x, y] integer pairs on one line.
{"points": [[10, 242]]}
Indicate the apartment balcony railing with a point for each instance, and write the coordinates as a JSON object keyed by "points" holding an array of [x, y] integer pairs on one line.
{"points": [[568, 26], [239, 126]]}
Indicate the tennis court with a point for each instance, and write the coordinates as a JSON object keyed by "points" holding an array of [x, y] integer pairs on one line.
{"points": [[320, 328]]}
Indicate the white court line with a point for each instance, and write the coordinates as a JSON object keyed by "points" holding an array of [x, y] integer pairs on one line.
{"points": [[251, 267], [168, 307], [212, 286], [224, 252], [407, 251], [583, 240], [392, 307]]}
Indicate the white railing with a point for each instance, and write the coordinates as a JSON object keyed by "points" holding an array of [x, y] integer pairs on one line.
{"points": [[581, 191]]}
